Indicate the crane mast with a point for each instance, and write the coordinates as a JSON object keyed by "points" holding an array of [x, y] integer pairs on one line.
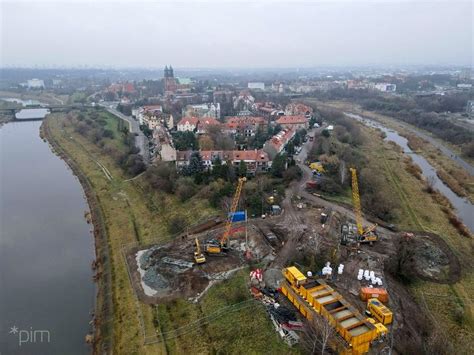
{"points": [[356, 201], [217, 246], [235, 202], [368, 235]]}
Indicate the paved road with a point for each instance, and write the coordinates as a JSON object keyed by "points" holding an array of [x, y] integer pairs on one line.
{"points": [[141, 141]]}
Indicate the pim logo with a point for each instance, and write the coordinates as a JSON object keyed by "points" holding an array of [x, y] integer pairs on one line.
{"points": [[30, 336]]}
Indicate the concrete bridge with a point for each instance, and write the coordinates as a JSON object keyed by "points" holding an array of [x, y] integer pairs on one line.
{"points": [[51, 108]]}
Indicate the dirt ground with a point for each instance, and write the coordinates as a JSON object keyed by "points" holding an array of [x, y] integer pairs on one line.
{"points": [[298, 237], [164, 272]]}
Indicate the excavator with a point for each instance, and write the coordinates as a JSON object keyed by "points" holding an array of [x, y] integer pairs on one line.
{"points": [[367, 235], [220, 245], [199, 257]]}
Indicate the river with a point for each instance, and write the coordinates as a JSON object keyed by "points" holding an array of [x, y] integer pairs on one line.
{"points": [[46, 249], [464, 209]]}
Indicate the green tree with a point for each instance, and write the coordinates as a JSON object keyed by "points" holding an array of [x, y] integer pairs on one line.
{"points": [[242, 168], [290, 148], [278, 165]]}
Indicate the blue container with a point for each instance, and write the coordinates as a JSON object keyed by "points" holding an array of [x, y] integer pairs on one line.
{"points": [[238, 216]]}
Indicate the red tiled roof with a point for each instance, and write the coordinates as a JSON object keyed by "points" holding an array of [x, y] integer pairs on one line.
{"points": [[209, 121], [292, 119], [299, 108], [281, 138], [255, 155], [244, 121], [190, 120]]}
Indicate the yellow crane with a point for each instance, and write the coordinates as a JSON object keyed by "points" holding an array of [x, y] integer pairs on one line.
{"points": [[198, 255], [218, 246], [368, 235]]}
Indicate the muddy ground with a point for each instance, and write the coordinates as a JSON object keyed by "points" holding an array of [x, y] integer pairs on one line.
{"points": [[298, 237], [163, 272]]}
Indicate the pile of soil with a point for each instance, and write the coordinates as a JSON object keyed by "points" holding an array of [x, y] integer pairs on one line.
{"points": [[426, 256]]}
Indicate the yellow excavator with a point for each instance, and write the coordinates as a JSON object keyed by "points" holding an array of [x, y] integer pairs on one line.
{"points": [[367, 235], [199, 257], [220, 245]]}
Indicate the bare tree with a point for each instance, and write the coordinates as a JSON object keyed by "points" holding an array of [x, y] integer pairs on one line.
{"points": [[317, 334], [343, 171]]}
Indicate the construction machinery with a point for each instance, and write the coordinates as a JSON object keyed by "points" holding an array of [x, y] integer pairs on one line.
{"points": [[353, 333], [367, 235], [199, 257], [380, 312], [220, 245]]}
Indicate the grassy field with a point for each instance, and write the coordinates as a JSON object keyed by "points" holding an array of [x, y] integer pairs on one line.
{"points": [[132, 215], [450, 306]]}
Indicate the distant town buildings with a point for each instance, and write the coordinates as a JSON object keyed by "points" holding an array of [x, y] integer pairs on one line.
{"points": [[256, 85], [35, 84], [170, 84], [385, 87], [124, 88], [470, 108]]}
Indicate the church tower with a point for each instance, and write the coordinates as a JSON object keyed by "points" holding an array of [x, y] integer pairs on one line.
{"points": [[169, 81]]}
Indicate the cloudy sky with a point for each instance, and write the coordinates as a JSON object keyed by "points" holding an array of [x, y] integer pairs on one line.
{"points": [[235, 33]]}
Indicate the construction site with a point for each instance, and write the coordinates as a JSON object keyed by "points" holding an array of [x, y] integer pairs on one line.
{"points": [[314, 266]]}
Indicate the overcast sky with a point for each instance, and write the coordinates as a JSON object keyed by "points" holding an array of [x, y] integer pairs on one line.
{"points": [[235, 34]]}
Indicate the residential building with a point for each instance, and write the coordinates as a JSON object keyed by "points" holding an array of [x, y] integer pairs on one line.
{"points": [[278, 142], [203, 110], [296, 108], [164, 144], [195, 124], [154, 109], [204, 124], [188, 124], [267, 109], [293, 122], [244, 101], [244, 125], [255, 160], [150, 120]]}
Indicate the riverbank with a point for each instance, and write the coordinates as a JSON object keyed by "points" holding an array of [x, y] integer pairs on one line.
{"points": [[448, 165], [103, 333]]}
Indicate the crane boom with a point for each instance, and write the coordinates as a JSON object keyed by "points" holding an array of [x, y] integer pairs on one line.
{"points": [[235, 202], [356, 201]]}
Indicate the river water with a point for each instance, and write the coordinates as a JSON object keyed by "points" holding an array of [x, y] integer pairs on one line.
{"points": [[464, 209], [46, 249]]}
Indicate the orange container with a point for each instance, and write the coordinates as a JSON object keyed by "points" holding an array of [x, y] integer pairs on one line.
{"points": [[370, 292]]}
